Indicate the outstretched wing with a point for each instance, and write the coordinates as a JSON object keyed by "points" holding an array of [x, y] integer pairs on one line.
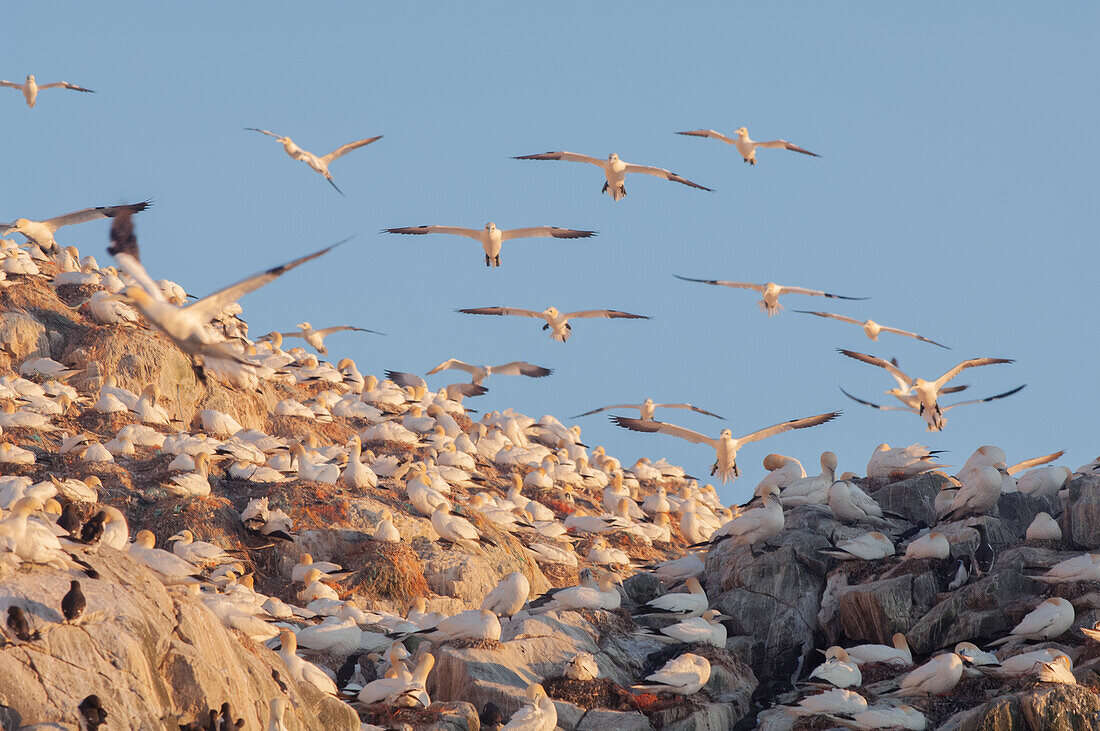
{"points": [[522, 368], [892, 369], [64, 85], [605, 408], [994, 398], [1027, 464], [212, 304], [420, 230], [661, 427], [613, 314], [11, 84], [722, 283], [405, 380], [662, 173], [345, 149], [341, 328], [124, 248], [453, 363], [566, 156], [817, 293], [784, 145], [696, 409], [708, 133], [93, 214], [908, 334], [842, 318], [972, 363], [805, 423], [263, 132], [876, 406], [501, 311], [542, 231]]}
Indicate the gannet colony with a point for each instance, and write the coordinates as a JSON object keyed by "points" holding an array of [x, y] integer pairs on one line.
{"points": [[200, 529]]}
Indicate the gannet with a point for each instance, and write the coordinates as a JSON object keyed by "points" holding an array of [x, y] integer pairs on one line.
{"points": [[41, 232], [385, 530], [978, 494], [614, 169], [937, 676], [707, 628], [318, 163], [756, 524], [647, 409], [683, 675], [871, 328], [187, 326], [690, 604], [302, 670], [477, 624], [479, 373], [725, 445], [191, 484], [1085, 567], [912, 402], [30, 88], [930, 545], [539, 713], [1024, 663], [315, 588], [508, 596], [926, 391], [901, 462], [1043, 528], [838, 669], [171, 568], [811, 490], [852, 505], [357, 475], [868, 547], [603, 596], [834, 700], [557, 322], [582, 667], [744, 145], [329, 571], [197, 552], [1048, 620], [1058, 670], [1043, 480], [899, 654], [901, 716], [770, 292], [492, 237], [315, 338]]}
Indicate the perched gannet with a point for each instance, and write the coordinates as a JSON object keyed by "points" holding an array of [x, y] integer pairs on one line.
{"points": [[477, 624], [41, 232], [770, 292], [30, 88], [901, 462], [187, 326], [838, 669], [356, 474], [582, 667], [197, 552], [756, 524], [1048, 620], [871, 328], [1043, 528], [1085, 567], [927, 392], [930, 545], [492, 237], [508, 596], [557, 322], [318, 163], [191, 484], [690, 604], [647, 409], [834, 700], [170, 568], [899, 654], [615, 170], [937, 676], [1025, 663], [975, 656], [706, 628], [678, 569], [1043, 480], [852, 505], [812, 490], [302, 670], [539, 713], [329, 571], [901, 716], [683, 675], [454, 528], [725, 445], [479, 373], [744, 145], [868, 547], [603, 596], [315, 338], [978, 494]]}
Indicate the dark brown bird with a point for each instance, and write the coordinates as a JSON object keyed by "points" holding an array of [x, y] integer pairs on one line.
{"points": [[73, 604], [19, 625], [70, 519], [91, 710], [93, 529]]}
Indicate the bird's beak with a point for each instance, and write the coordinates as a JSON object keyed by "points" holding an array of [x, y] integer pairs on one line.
{"points": [[177, 537]]}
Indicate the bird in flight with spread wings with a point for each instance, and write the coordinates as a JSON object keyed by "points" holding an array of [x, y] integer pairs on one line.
{"points": [[492, 238], [725, 446], [30, 88], [41, 233], [557, 322], [912, 403], [871, 328], [615, 170], [744, 145], [647, 408], [319, 163], [479, 373], [316, 338], [770, 291]]}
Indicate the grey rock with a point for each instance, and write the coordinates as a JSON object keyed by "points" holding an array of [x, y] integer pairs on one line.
{"points": [[913, 498], [23, 337], [1081, 524], [874, 611], [975, 612]]}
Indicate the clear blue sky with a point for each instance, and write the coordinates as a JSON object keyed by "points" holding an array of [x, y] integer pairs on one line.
{"points": [[957, 190]]}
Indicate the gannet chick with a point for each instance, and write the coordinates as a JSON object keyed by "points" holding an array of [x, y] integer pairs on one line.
{"points": [[509, 595], [684, 675], [540, 713], [937, 676], [1043, 528], [302, 670], [1048, 620], [899, 654], [691, 604], [725, 446], [615, 171], [582, 667], [492, 237], [557, 322], [838, 669], [319, 163]]}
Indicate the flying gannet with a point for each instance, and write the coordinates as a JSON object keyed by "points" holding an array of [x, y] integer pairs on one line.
{"points": [[479, 373], [316, 338], [927, 392], [186, 326], [492, 238], [871, 328], [912, 402], [318, 163], [726, 446], [30, 88], [41, 232], [614, 169], [744, 145], [647, 409], [557, 322], [770, 292]]}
